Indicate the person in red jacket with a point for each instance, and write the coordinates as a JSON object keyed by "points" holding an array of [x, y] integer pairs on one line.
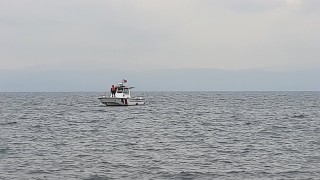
{"points": [[113, 91]]}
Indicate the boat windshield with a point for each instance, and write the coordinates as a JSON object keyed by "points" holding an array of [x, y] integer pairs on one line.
{"points": [[126, 91], [119, 90]]}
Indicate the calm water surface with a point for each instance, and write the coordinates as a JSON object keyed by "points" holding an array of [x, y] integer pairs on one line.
{"points": [[176, 135]]}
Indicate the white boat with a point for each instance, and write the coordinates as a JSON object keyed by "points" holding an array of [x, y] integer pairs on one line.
{"points": [[122, 97]]}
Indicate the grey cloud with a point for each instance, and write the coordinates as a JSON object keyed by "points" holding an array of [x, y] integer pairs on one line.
{"points": [[158, 34]]}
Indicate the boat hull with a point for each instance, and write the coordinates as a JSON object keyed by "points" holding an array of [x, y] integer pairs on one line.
{"points": [[116, 101]]}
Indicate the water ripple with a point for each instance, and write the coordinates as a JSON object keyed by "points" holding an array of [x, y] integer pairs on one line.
{"points": [[177, 135]]}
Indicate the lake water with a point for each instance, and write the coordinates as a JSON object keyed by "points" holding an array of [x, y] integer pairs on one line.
{"points": [[176, 135]]}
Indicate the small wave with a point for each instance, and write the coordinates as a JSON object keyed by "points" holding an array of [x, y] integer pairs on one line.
{"points": [[99, 110], [23, 117], [299, 116], [278, 127], [4, 150], [83, 155], [38, 172], [188, 175], [96, 177], [8, 123]]}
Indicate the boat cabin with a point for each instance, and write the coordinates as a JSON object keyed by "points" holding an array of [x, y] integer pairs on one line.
{"points": [[122, 91]]}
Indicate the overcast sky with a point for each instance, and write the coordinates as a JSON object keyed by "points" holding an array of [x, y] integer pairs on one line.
{"points": [[159, 34]]}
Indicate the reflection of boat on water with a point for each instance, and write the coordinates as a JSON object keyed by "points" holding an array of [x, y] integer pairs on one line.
{"points": [[122, 97]]}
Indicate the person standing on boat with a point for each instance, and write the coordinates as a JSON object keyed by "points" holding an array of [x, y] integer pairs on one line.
{"points": [[113, 91]]}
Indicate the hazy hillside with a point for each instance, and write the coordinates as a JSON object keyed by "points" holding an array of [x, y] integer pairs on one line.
{"points": [[159, 80]]}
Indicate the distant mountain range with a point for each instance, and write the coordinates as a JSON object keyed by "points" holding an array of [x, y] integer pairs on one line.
{"points": [[158, 80]]}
